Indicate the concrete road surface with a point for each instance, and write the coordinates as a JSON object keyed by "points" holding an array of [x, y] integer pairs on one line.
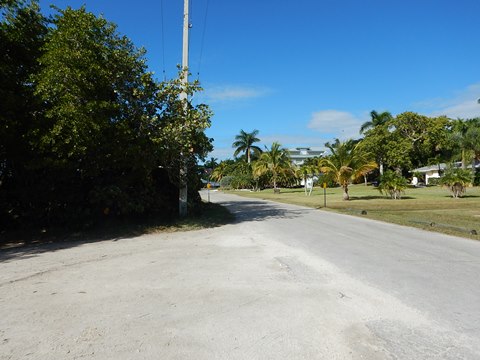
{"points": [[282, 282]]}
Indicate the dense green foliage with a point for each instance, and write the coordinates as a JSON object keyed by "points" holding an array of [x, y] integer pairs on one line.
{"points": [[86, 131]]}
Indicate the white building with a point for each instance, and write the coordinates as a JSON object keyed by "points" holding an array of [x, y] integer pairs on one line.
{"points": [[300, 154], [435, 171], [431, 171]]}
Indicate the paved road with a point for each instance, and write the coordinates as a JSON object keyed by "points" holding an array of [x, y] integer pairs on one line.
{"points": [[282, 282]]}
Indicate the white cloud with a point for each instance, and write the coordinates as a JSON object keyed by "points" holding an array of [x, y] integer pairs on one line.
{"points": [[464, 105], [221, 153], [231, 92], [336, 124]]}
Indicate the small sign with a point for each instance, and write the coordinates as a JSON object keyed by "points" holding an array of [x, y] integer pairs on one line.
{"points": [[209, 186], [324, 185]]}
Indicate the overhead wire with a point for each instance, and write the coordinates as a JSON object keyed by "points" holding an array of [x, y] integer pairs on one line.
{"points": [[163, 41], [202, 41]]}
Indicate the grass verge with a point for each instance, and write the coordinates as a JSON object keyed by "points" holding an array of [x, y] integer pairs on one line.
{"points": [[430, 208]]}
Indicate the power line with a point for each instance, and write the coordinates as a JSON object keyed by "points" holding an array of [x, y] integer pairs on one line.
{"points": [[163, 42], [202, 42]]}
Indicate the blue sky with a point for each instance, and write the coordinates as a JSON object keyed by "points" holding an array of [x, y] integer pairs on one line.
{"points": [[306, 71]]}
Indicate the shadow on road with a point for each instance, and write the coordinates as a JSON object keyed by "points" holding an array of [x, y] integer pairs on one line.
{"points": [[30, 242], [27, 246], [245, 211]]}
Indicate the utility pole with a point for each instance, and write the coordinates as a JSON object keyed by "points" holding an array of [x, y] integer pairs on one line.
{"points": [[183, 189]]}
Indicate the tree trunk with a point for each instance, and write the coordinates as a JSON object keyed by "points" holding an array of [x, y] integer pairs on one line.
{"points": [[345, 192], [380, 167]]}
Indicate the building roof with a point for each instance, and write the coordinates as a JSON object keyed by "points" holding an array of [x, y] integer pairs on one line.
{"points": [[428, 168]]}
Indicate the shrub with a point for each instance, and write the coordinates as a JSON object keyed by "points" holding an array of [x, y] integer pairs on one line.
{"points": [[392, 184], [226, 182], [456, 180]]}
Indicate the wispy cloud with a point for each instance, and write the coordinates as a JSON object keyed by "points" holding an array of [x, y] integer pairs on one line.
{"points": [[222, 153], [337, 124], [462, 105], [233, 92]]}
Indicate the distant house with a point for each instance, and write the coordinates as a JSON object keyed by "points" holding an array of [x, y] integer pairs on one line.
{"points": [[431, 171], [435, 171], [300, 154]]}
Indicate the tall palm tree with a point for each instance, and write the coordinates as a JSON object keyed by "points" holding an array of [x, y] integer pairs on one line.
{"points": [[244, 143], [275, 161], [472, 139], [376, 120], [211, 164], [466, 137], [346, 162]]}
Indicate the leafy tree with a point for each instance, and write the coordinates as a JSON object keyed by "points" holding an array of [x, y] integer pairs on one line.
{"points": [[392, 184], [408, 140], [424, 137], [275, 162], [456, 180], [22, 35], [244, 143], [106, 138], [347, 161], [99, 107]]}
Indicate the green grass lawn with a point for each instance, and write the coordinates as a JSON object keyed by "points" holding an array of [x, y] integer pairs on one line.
{"points": [[430, 208]]}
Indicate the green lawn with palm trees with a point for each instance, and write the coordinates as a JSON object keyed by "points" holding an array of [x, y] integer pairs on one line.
{"points": [[430, 208]]}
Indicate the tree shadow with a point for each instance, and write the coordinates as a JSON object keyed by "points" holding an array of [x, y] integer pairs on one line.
{"points": [[251, 210], [33, 242], [27, 244], [378, 197]]}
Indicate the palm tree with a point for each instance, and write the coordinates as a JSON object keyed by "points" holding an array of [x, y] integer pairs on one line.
{"points": [[220, 171], [472, 139], [275, 161], [456, 180], [306, 172], [244, 143], [376, 120], [211, 164], [347, 162], [466, 137], [392, 184]]}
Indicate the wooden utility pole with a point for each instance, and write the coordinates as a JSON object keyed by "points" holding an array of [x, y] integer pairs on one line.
{"points": [[183, 189]]}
